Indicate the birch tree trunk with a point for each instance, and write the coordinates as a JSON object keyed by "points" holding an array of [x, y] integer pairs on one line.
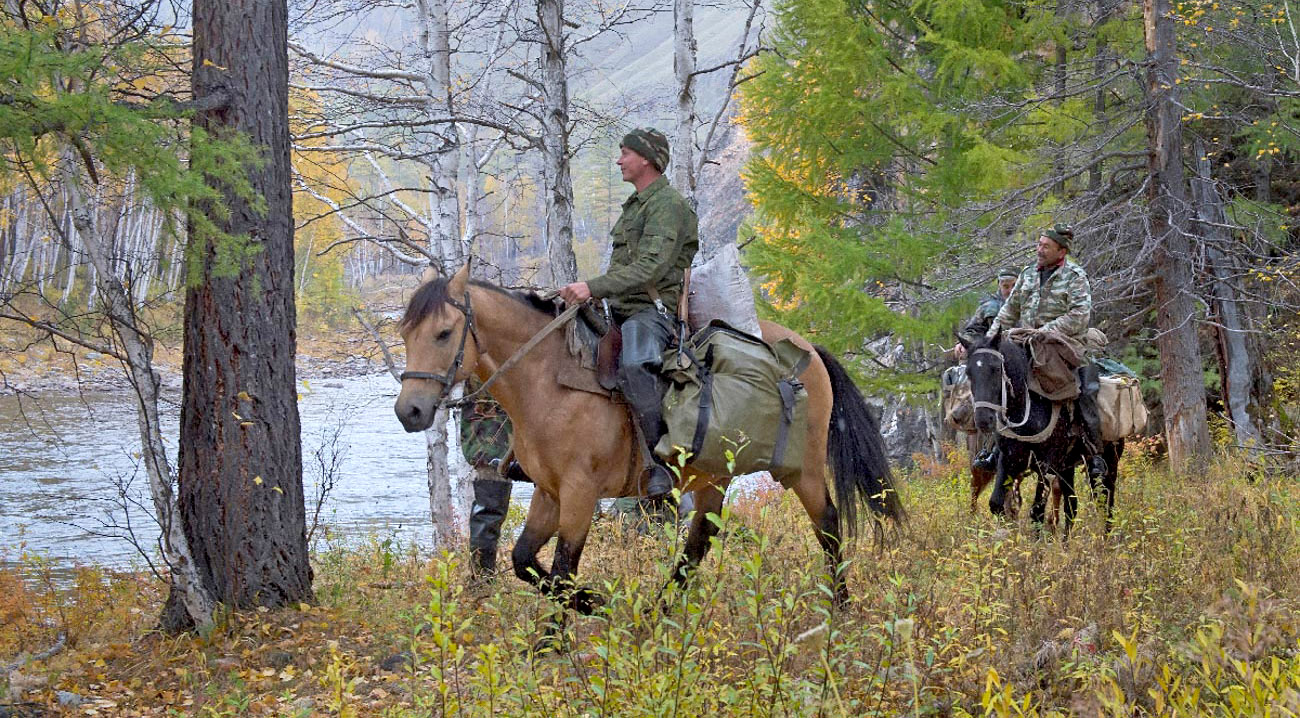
{"points": [[555, 144], [435, 42], [1183, 397], [683, 150], [186, 586]]}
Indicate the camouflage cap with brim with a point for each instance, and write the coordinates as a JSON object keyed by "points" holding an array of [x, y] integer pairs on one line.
{"points": [[1062, 234], [1009, 273], [650, 144]]}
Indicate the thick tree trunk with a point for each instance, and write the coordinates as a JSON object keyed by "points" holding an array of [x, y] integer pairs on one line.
{"points": [[1235, 346], [555, 143], [240, 456], [683, 149], [1183, 396]]}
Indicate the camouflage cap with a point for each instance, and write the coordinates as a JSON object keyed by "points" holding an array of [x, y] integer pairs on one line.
{"points": [[650, 144], [1062, 234], [1009, 273]]}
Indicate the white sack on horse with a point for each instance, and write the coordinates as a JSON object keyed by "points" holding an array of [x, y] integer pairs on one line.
{"points": [[720, 290]]}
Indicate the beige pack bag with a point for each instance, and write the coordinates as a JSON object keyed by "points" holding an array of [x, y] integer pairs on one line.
{"points": [[1123, 415], [958, 408]]}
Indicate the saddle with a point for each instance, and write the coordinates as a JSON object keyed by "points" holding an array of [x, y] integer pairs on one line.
{"points": [[596, 343]]}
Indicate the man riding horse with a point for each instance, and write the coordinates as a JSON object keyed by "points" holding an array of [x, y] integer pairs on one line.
{"points": [[1054, 295], [985, 313], [655, 240]]}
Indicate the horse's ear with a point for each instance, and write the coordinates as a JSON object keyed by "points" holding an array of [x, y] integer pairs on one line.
{"points": [[963, 340], [459, 282], [428, 275]]}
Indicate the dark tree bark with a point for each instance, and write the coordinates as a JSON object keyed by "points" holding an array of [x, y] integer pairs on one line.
{"points": [[1183, 397], [241, 491]]}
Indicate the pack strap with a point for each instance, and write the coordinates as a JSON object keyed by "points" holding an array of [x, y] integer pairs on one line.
{"points": [[787, 389]]}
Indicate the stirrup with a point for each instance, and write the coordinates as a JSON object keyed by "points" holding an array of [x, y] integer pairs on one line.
{"points": [[1097, 465], [986, 460], [659, 482]]}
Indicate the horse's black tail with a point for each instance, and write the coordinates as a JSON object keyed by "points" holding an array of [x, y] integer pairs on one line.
{"points": [[856, 451]]}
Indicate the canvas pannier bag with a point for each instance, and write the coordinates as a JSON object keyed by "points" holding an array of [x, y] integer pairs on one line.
{"points": [[1123, 414], [732, 393], [958, 407]]}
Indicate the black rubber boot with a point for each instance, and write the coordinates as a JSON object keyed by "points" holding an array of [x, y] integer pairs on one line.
{"points": [[1089, 385], [645, 336], [987, 460], [491, 503], [515, 472]]}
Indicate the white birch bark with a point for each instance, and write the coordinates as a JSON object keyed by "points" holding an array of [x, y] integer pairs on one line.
{"points": [[555, 143], [138, 348], [683, 149]]}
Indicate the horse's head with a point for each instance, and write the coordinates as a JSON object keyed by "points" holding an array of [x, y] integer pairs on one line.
{"points": [[441, 347], [997, 368]]}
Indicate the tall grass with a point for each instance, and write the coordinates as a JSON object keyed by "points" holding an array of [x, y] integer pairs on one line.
{"points": [[1186, 608]]}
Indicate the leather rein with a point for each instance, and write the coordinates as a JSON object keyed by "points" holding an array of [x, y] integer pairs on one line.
{"points": [[1005, 426], [448, 380]]}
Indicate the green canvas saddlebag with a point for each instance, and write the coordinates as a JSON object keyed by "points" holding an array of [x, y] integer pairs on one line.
{"points": [[734, 399]]}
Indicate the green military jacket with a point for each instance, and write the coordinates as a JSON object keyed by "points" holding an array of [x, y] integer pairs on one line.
{"points": [[655, 240], [1064, 304]]}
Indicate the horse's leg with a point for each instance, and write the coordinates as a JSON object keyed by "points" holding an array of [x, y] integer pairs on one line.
{"points": [[816, 500], [539, 527], [576, 508], [1070, 494], [1039, 507], [1013, 460], [979, 478], [708, 500], [1114, 450], [997, 500]]}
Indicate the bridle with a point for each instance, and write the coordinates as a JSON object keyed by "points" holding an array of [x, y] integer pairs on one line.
{"points": [[448, 380], [1004, 426], [1000, 410]]}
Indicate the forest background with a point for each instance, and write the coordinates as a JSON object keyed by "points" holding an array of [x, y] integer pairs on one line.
{"points": [[893, 156]]}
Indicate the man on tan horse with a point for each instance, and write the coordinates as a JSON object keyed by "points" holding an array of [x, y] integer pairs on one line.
{"points": [[655, 240]]}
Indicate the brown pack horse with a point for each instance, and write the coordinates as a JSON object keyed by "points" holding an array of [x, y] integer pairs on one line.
{"points": [[579, 447]]}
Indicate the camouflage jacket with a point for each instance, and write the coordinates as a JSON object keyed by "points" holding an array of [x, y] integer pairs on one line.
{"points": [[655, 240], [484, 432], [1063, 304], [984, 315]]}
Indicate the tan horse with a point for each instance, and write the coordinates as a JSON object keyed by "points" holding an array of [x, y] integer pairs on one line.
{"points": [[579, 447]]}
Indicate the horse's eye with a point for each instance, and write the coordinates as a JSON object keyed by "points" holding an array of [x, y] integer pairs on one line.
{"points": [[443, 335]]}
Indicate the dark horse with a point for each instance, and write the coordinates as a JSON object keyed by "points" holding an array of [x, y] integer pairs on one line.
{"points": [[1032, 429], [580, 446]]}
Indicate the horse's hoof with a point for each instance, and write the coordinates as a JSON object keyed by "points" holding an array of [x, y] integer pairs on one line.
{"points": [[551, 644], [586, 601]]}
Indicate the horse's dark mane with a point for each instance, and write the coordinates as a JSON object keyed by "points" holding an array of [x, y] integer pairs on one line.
{"points": [[432, 297], [1015, 362]]}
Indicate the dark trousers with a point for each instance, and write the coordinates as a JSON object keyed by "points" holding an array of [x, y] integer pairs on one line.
{"points": [[646, 335], [1089, 386], [491, 503]]}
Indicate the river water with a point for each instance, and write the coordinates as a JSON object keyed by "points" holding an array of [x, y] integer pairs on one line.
{"points": [[63, 458]]}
